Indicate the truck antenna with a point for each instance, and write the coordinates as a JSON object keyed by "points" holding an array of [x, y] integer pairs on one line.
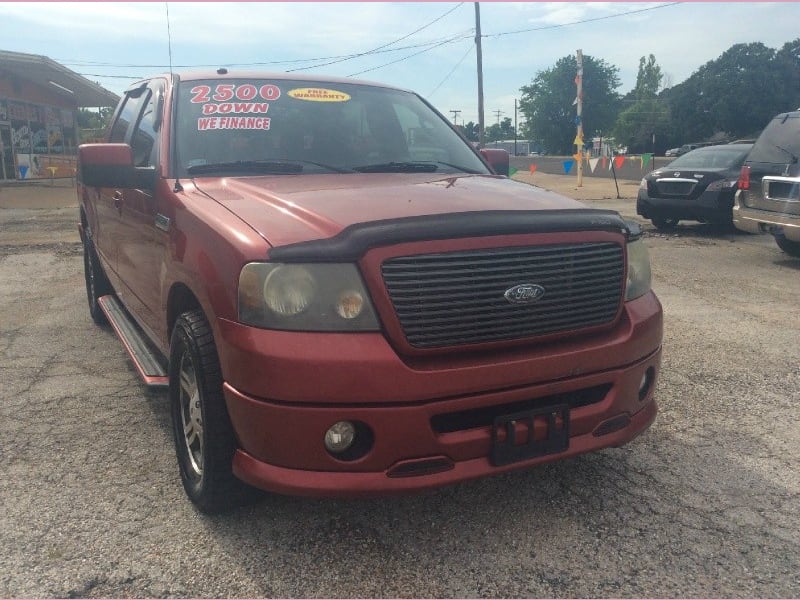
{"points": [[178, 186], [169, 39]]}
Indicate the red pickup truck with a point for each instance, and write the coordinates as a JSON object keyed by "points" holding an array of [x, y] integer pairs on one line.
{"points": [[345, 298]]}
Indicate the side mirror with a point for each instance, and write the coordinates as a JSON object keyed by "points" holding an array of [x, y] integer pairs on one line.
{"points": [[107, 165], [498, 159]]}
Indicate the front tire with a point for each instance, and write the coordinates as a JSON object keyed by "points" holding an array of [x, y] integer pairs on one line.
{"points": [[791, 248], [204, 438], [665, 223], [97, 284]]}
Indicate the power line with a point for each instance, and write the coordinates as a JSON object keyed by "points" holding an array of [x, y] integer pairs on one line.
{"points": [[379, 50], [450, 41], [252, 64], [542, 28], [379, 47], [467, 53], [334, 59]]}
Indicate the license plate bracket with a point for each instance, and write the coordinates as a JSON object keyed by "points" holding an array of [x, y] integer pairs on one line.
{"points": [[505, 448]]}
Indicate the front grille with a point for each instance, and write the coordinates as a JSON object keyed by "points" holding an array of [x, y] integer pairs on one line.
{"points": [[458, 298], [675, 188]]}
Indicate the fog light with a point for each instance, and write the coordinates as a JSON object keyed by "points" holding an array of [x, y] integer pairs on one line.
{"points": [[340, 436]]}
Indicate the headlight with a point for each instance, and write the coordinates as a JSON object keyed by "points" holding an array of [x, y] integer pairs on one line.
{"points": [[643, 184], [289, 290], [305, 297], [638, 282]]}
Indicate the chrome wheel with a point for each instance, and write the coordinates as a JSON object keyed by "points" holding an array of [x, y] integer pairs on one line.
{"points": [[204, 439], [191, 415]]}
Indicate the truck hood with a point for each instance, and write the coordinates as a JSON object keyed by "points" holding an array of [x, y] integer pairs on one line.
{"points": [[291, 209]]}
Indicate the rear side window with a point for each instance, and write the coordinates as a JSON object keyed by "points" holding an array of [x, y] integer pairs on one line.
{"points": [[128, 114], [779, 143], [144, 136]]}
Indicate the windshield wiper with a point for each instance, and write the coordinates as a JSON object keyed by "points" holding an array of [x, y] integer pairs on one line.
{"points": [[249, 166], [794, 158], [398, 167], [419, 166], [323, 165]]}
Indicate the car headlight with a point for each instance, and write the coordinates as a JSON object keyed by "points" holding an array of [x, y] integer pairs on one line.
{"points": [[643, 184], [305, 297], [638, 282], [721, 184]]}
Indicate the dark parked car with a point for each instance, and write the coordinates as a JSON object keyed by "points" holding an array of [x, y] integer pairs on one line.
{"points": [[768, 199], [693, 146], [698, 186]]}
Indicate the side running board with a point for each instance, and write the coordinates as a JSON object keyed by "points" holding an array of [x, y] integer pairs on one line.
{"points": [[144, 358]]}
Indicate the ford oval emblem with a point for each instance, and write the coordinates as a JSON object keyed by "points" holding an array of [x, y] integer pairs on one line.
{"points": [[524, 293]]}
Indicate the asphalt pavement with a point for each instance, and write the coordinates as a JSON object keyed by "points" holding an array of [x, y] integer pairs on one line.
{"points": [[704, 504]]}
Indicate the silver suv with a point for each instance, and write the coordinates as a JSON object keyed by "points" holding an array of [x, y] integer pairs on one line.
{"points": [[768, 198]]}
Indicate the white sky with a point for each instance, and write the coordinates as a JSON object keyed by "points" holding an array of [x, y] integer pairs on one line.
{"points": [[109, 41]]}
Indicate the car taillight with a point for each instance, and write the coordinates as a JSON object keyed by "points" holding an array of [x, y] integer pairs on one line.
{"points": [[744, 178]]}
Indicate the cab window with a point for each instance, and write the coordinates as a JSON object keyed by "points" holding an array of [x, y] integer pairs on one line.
{"points": [[143, 138], [128, 114]]}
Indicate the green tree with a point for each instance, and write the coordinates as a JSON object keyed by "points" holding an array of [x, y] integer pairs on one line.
{"points": [[644, 126], [639, 124], [470, 130], [648, 80], [788, 63], [92, 119], [500, 131], [548, 102], [737, 93]]}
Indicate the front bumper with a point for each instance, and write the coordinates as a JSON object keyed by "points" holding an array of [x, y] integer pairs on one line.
{"points": [[284, 390], [754, 220], [709, 206], [302, 482]]}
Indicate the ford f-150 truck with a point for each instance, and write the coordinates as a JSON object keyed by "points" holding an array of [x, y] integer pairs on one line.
{"points": [[344, 297]]}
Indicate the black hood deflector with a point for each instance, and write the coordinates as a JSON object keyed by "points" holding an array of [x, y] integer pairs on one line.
{"points": [[354, 241]]}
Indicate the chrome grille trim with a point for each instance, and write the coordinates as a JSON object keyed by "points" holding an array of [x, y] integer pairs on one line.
{"points": [[457, 298]]}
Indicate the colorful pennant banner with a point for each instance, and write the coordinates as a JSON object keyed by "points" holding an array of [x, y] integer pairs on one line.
{"points": [[568, 165]]}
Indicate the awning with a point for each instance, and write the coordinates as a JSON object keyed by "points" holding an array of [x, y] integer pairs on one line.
{"points": [[52, 76]]}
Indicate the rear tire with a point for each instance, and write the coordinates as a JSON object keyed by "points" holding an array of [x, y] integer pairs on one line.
{"points": [[97, 284], [204, 439], [791, 248], [665, 223]]}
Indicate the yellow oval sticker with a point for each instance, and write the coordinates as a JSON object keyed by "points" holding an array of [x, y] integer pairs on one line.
{"points": [[318, 95]]}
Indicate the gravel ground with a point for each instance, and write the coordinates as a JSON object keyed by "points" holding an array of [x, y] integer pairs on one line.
{"points": [[704, 504]]}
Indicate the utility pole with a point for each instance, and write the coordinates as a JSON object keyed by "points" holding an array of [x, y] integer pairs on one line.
{"points": [[455, 116], [481, 134], [498, 113], [578, 118], [515, 127]]}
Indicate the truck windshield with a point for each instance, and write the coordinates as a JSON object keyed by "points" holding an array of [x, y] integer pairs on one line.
{"points": [[288, 127]]}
